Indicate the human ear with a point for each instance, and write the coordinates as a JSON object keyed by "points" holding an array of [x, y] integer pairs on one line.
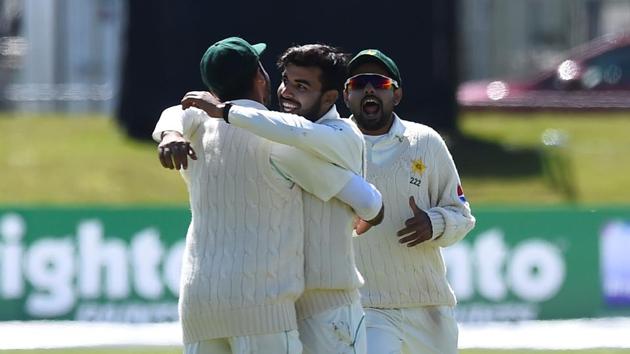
{"points": [[330, 97], [398, 94]]}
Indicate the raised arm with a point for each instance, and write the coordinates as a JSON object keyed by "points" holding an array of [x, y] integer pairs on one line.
{"points": [[334, 140]]}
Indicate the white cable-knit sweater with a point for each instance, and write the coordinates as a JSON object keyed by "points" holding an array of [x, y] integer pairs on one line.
{"points": [[332, 278], [411, 160], [243, 262]]}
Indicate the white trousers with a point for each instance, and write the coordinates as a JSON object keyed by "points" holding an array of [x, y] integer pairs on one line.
{"points": [[339, 331], [419, 330], [276, 343]]}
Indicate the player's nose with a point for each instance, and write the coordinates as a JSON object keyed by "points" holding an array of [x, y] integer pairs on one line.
{"points": [[283, 91], [369, 88]]}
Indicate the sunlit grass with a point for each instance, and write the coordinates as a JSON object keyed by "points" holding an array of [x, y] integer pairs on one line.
{"points": [[88, 160], [63, 160], [598, 149]]}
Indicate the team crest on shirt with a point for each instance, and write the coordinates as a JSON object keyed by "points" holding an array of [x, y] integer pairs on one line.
{"points": [[417, 167]]}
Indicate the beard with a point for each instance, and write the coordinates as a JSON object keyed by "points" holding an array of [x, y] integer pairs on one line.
{"points": [[315, 112], [372, 122]]}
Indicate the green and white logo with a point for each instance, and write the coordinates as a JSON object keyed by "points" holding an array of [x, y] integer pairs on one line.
{"points": [[506, 282], [89, 274]]}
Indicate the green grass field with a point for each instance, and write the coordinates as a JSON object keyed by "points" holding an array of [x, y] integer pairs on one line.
{"points": [[597, 151], [158, 350], [88, 160], [85, 160]]}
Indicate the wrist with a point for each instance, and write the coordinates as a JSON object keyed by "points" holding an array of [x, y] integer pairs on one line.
{"points": [[169, 132], [226, 111], [378, 218]]}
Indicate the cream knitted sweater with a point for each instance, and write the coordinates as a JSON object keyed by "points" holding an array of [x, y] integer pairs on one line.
{"points": [[411, 160], [243, 262], [332, 277]]}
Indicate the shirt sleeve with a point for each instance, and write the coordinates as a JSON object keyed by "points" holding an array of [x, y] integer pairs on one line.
{"points": [[177, 119], [362, 196], [316, 176], [333, 140], [451, 218]]}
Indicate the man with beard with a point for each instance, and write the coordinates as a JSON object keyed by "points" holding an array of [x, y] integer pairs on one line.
{"points": [[243, 265], [330, 317], [407, 299]]}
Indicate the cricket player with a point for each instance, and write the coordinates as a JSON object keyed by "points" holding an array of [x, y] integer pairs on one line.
{"points": [[243, 264], [330, 317], [407, 299]]}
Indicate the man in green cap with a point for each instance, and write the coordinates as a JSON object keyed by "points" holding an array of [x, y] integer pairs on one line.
{"points": [[243, 264], [406, 296]]}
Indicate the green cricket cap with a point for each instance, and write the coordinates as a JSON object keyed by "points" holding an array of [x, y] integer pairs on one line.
{"points": [[375, 55], [229, 62]]}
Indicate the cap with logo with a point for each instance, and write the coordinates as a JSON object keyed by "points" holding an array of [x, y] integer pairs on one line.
{"points": [[375, 55]]}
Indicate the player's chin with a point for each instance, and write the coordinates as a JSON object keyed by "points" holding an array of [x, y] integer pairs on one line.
{"points": [[371, 120]]}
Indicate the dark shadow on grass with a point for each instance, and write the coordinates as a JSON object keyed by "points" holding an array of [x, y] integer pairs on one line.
{"points": [[480, 158]]}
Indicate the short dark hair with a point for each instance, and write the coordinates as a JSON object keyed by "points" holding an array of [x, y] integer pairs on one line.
{"points": [[240, 88], [331, 60]]}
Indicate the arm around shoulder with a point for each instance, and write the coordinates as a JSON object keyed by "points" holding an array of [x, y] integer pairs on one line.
{"points": [[364, 198], [314, 175], [332, 140]]}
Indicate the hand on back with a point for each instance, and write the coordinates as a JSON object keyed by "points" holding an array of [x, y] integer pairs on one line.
{"points": [[205, 101], [173, 151]]}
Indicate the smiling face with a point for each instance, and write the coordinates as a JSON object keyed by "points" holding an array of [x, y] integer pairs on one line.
{"points": [[301, 92], [372, 108]]}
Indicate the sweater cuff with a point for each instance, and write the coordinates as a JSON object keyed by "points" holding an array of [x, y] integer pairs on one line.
{"points": [[438, 223]]}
